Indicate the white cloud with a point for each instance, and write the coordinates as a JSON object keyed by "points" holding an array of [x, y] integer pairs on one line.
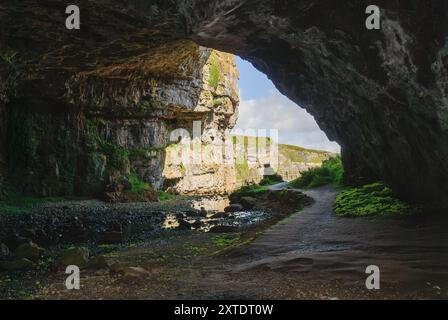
{"points": [[295, 125]]}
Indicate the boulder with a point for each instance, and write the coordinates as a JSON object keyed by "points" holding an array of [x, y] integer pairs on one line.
{"points": [[222, 229], [196, 213], [30, 251], [203, 212], [74, 256], [248, 203], [183, 225], [180, 216], [4, 250], [220, 215], [197, 224], [16, 265], [234, 208]]}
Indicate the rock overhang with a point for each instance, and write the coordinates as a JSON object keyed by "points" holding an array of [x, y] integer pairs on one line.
{"points": [[380, 94]]}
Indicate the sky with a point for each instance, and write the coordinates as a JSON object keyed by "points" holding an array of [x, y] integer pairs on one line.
{"points": [[262, 106]]}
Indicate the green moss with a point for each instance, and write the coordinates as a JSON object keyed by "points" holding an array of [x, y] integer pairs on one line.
{"points": [[9, 57], [371, 199], [117, 157], [165, 196], [217, 102], [271, 180], [331, 172], [138, 186], [215, 72], [254, 190], [225, 240], [19, 205]]}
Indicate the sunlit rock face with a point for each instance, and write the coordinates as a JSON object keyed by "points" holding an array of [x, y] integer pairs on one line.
{"points": [[197, 161], [382, 95]]}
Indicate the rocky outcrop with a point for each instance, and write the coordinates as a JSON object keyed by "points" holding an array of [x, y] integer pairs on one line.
{"points": [[199, 163], [380, 94], [108, 127]]}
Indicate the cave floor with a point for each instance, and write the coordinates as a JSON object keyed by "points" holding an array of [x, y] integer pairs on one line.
{"points": [[309, 255]]}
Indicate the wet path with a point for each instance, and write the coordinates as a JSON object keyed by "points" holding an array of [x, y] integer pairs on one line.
{"points": [[316, 247]]}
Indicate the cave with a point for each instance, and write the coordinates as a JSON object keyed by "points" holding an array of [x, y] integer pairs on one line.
{"points": [[110, 104], [379, 93]]}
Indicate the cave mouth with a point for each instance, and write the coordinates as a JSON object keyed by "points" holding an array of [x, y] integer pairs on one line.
{"points": [[262, 106], [385, 116]]}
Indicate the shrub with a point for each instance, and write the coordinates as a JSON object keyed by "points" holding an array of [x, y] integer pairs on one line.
{"points": [[371, 199], [248, 191], [330, 172], [137, 185], [270, 180]]}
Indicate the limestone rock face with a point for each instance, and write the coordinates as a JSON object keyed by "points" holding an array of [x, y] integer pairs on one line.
{"points": [[381, 94], [117, 123], [198, 163]]}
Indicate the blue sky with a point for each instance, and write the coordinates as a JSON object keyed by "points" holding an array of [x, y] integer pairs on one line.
{"points": [[262, 106]]}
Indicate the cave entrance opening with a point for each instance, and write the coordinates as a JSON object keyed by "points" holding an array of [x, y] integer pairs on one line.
{"points": [[266, 114]]}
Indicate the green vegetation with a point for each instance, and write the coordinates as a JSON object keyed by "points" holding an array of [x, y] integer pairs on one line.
{"points": [[371, 199], [330, 172], [242, 170], [215, 72], [137, 185], [19, 205], [225, 240], [217, 102], [9, 57], [117, 156], [253, 190], [271, 180], [165, 196], [299, 154]]}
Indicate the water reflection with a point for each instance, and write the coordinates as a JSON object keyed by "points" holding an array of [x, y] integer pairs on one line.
{"points": [[209, 213]]}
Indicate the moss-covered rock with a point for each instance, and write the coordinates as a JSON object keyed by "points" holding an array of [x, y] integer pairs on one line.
{"points": [[368, 200]]}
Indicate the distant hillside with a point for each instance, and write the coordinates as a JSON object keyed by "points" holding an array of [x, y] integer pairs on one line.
{"points": [[292, 160]]}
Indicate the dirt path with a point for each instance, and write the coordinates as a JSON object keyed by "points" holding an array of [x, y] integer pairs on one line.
{"points": [[311, 254], [315, 254]]}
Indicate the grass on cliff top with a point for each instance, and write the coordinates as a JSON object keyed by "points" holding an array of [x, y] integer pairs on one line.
{"points": [[368, 200], [330, 172], [299, 154]]}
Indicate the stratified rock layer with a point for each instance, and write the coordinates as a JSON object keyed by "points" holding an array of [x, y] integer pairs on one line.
{"points": [[381, 94]]}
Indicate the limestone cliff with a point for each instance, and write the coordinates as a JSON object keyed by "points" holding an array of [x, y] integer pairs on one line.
{"points": [[257, 157], [112, 124], [213, 171]]}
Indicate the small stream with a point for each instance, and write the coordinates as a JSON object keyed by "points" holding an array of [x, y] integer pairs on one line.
{"points": [[208, 215]]}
